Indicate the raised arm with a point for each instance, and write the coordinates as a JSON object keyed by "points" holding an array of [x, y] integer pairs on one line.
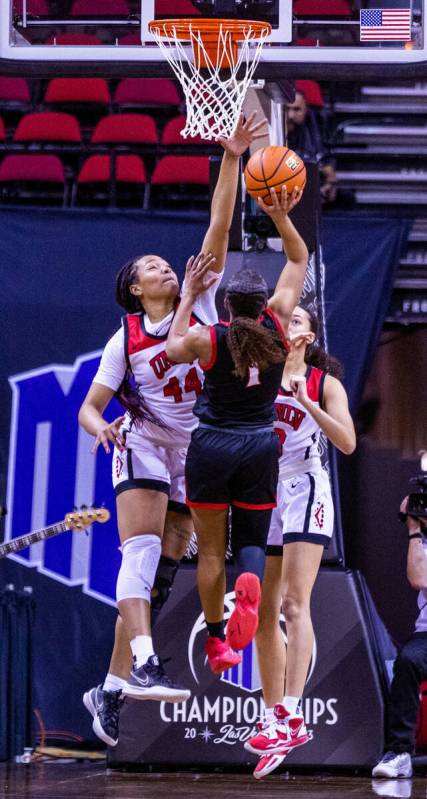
{"points": [[224, 198], [186, 343], [290, 284], [335, 420]]}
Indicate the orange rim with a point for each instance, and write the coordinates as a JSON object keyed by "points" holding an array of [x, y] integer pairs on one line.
{"points": [[181, 28]]}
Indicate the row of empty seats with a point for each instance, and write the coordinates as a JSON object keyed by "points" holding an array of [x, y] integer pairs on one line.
{"points": [[103, 8], [29, 177], [110, 8], [128, 92], [49, 127]]}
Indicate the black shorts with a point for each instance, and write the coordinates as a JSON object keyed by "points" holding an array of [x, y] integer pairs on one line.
{"points": [[231, 468]]}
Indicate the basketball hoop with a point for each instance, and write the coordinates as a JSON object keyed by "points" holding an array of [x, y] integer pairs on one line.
{"points": [[215, 72]]}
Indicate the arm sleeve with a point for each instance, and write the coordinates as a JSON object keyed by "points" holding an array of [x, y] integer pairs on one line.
{"points": [[112, 368], [205, 307]]}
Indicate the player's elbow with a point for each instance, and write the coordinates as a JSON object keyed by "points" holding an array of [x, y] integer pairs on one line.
{"points": [[416, 583], [83, 415], [349, 445]]}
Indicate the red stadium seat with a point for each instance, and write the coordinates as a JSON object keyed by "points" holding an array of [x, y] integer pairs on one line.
{"points": [[49, 126], [14, 90], [171, 133], [304, 42], [40, 168], [97, 169], [35, 7], [77, 90], [181, 169], [2, 130], [74, 39], [147, 91], [322, 8], [125, 129], [99, 8], [130, 39], [174, 8], [33, 178], [311, 91]]}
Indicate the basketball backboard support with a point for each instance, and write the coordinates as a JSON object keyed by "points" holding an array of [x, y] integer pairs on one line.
{"points": [[336, 42]]}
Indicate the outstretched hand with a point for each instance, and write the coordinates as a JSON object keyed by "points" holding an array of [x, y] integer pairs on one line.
{"points": [[196, 278], [281, 205], [110, 432], [245, 133]]}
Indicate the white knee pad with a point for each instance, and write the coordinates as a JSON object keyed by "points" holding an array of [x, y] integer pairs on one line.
{"points": [[140, 558]]}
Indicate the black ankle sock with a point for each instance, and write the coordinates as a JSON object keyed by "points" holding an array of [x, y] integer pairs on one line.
{"points": [[216, 629]]}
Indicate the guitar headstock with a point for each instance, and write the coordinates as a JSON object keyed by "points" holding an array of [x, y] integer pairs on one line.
{"points": [[81, 519]]}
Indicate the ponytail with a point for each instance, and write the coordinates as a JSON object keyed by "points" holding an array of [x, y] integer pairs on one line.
{"points": [[250, 343], [134, 404], [316, 356]]}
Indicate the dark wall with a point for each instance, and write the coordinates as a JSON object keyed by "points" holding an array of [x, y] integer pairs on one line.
{"points": [[373, 483]]}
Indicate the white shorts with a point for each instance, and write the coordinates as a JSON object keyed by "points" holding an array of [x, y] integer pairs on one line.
{"points": [[153, 467], [304, 512]]}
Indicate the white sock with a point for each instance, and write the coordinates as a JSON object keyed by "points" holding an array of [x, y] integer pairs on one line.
{"points": [[291, 704], [142, 649], [113, 683], [268, 714]]}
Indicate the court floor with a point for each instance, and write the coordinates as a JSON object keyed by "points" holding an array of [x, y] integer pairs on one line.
{"points": [[53, 780]]}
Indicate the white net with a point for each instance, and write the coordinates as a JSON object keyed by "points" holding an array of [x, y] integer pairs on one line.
{"points": [[214, 97]]}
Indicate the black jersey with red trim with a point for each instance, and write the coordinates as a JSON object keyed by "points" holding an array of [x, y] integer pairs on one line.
{"points": [[297, 430], [228, 401], [169, 389]]}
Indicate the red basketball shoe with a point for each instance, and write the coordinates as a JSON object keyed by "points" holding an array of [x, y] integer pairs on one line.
{"points": [[285, 731], [269, 763], [243, 622], [220, 655]]}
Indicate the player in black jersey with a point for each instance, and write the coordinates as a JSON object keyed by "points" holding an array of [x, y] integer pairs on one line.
{"points": [[233, 455]]}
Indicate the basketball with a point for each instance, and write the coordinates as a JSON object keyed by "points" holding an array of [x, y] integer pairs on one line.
{"points": [[273, 167]]}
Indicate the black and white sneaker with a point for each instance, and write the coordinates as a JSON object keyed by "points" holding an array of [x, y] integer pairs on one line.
{"points": [[151, 682], [104, 706], [394, 765]]}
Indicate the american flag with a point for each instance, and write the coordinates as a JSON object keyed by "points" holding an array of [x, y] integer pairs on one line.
{"points": [[385, 25]]}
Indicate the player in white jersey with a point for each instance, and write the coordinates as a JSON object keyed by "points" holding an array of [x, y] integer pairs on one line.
{"points": [[312, 399], [150, 443]]}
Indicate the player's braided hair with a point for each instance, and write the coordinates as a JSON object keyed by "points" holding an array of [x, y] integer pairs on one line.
{"points": [[127, 393], [250, 343], [124, 280], [315, 355]]}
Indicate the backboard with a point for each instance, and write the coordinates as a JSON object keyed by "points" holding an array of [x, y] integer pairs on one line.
{"points": [[310, 38]]}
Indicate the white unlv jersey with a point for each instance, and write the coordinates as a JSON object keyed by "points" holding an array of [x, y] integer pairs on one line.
{"points": [[169, 390], [296, 428]]}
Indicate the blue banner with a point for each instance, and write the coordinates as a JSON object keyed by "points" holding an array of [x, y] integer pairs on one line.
{"points": [[57, 310], [361, 254]]}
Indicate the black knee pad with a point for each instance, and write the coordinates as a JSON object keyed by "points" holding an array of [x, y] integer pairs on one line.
{"points": [[249, 528], [163, 582]]}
